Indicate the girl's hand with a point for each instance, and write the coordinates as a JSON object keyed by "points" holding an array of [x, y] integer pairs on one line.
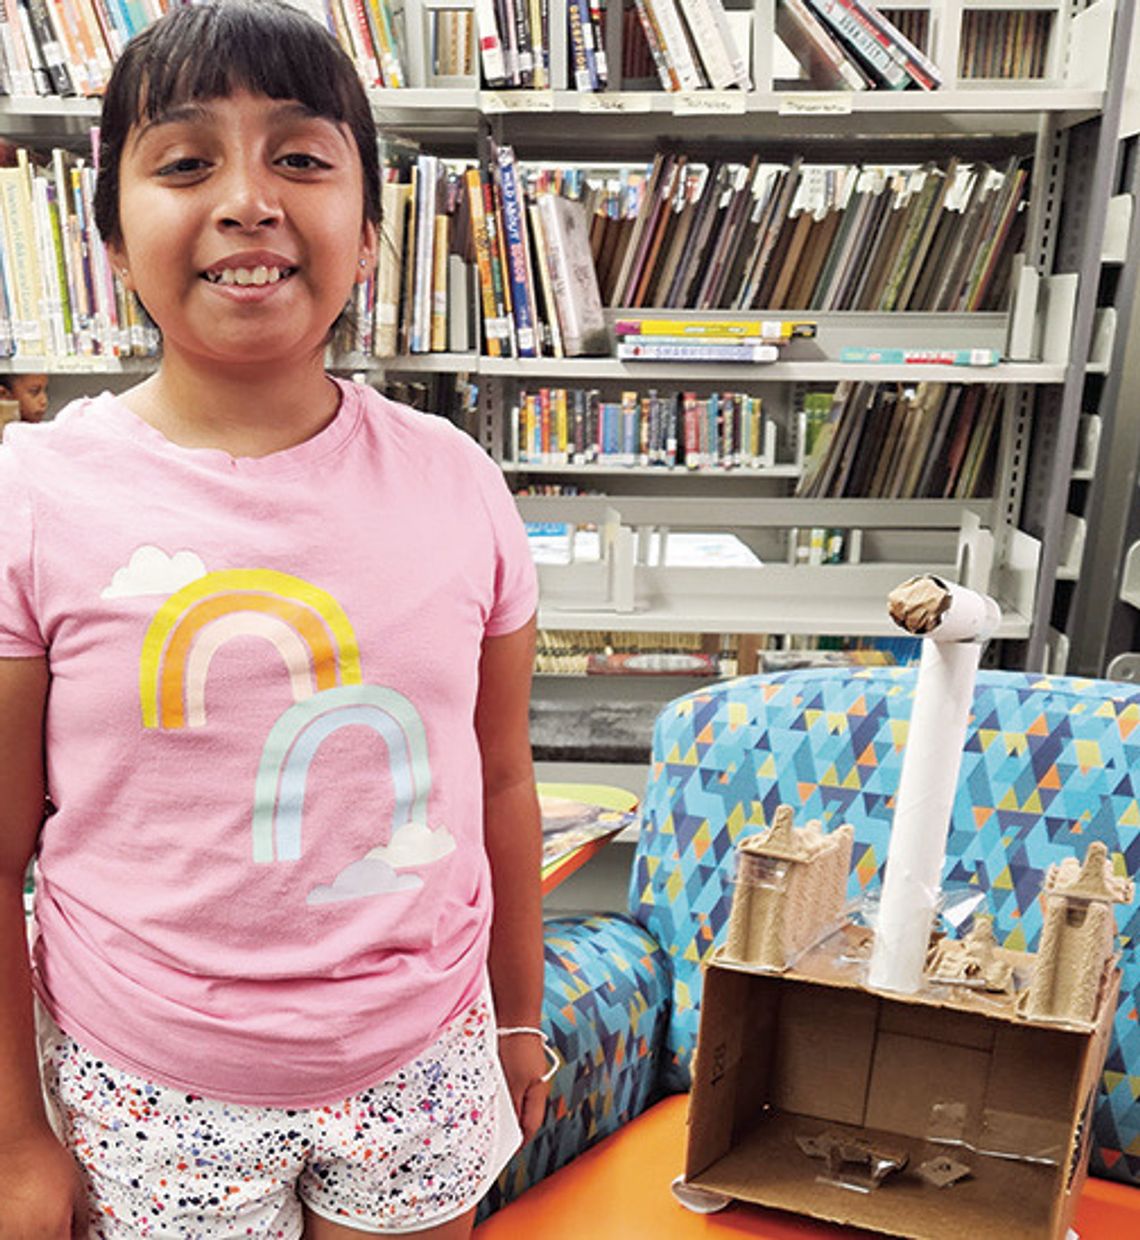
{"points": [[41, 1194], [524, 1064]]}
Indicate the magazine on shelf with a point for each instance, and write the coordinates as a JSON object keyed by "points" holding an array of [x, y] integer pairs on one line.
{"points": [[568, 825]]}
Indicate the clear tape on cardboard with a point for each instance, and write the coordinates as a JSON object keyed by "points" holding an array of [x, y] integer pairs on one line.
{"points": [[1002, 1134], [826, 931], [767, 873]]}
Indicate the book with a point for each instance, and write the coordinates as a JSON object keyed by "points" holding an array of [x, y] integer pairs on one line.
{"points": [[807, 38], [852, 32], [743, 329], [517, 254], [574, 281], [630, 351], [568, 825], [921, 357]]}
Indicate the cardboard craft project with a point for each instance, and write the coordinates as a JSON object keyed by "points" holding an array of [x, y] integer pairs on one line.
{"points": [[830, 1081]]}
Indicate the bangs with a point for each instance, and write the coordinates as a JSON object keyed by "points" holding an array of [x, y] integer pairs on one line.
{"points": [[266, 49], [200, 52]]}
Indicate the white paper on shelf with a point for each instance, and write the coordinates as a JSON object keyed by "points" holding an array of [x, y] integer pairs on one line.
{"points": [[942, 700]]}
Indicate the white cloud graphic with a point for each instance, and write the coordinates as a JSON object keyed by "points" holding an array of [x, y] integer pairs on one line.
{"points": [[369, 877], [152, 571], [415, 844]]}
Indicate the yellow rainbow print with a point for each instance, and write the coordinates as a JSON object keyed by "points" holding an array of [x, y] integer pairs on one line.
{"points": [[305, 624]]}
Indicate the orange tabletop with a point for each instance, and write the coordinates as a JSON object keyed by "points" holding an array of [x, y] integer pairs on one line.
{"points": [[619, 1190]]}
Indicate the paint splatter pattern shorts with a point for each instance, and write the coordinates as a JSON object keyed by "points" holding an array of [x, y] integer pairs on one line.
{"points": [[413, 1152]]}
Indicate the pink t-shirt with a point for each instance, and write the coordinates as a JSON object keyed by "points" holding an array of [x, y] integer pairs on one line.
{"points": [[265, 879]]}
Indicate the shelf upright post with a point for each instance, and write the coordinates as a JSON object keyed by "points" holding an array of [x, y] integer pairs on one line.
{"points": [[947, 40], [1107, 625], [763, 36], [1096, 188]]}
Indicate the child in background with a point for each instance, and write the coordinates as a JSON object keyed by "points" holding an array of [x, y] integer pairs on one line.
{"points": [[276, 633], [30, 393]]}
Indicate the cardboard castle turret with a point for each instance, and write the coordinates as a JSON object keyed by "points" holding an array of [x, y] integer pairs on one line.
{"points": [[791, 888], [1078, 939], [951, 1081]]}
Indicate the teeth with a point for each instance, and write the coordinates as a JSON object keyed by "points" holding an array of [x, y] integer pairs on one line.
{"points": [[249, 275]]}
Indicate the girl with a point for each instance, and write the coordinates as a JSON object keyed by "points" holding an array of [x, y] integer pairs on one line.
{"points": [[275, 633]]}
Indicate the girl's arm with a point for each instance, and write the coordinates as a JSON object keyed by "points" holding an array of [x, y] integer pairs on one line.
{"points": [[38, 1183], [513, 831]]}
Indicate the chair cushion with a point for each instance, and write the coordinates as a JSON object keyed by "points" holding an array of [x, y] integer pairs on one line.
{"points": [[620, 1191], [605, 1009], [1049, 765]]}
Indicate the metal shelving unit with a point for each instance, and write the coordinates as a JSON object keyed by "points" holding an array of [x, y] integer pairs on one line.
{"points": [[1067, 122]]}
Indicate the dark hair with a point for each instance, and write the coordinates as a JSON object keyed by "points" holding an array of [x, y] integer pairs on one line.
{"points": [[208, 51]]}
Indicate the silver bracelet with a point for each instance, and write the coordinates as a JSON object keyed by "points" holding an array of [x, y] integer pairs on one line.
{"points": [[551, 1054]]}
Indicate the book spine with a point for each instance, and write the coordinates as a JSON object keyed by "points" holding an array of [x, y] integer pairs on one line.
{"points": [[668, 20], [707, 37], [40, 76], [921, 357], [16, 51], [738, 62], [665, 72], [439, 282], [595, 30], [540, 79], [500, 280], [570, 327], [516, 255], [848, 26], [71, 53], [697, 353], [91, 38], [51, 290], [524, 54], [112, 36], [761, 329], [386, 45], [492, 325], [584, 80], [542, 277], [490, 46], [923, 70]]}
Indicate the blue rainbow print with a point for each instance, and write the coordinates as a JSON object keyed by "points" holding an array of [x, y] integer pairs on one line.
{"points": [[279, 793]]}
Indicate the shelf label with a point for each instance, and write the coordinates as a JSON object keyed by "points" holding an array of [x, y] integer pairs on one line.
{"points": [[518, 101], [831, 103], [619, 101], [709, 103]]}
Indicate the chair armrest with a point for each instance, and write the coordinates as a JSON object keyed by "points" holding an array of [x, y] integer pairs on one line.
{"points": [[605, 1010]]}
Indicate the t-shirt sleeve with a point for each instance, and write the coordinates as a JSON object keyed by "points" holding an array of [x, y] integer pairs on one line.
{"points": [[20, 636], [516, 579]]}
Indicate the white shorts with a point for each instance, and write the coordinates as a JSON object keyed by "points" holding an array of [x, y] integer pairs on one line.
{"points": [[413, 1152]]}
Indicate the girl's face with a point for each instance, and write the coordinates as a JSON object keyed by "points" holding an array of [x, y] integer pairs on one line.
{"points": [[242, 229]]}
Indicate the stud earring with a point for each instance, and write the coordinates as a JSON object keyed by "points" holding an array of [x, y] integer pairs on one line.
{"points": [[363, 263]]}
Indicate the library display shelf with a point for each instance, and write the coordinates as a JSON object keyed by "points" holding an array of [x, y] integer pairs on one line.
{"points": [[653, 471], [541, 116], [775, 599], [824, 371]]}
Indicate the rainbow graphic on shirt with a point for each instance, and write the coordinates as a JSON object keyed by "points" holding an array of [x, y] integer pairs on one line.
{"points": [[279, 793], [320, 653], [305, 624]]}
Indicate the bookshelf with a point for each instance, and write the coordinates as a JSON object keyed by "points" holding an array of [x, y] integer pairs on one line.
{"points": [[1064, 120]]}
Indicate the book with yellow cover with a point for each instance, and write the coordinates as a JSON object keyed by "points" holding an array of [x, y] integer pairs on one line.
{"points": [[745, 329]]}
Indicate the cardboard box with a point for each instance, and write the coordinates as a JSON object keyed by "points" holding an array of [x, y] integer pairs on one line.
{"points": [[784, 1058]]}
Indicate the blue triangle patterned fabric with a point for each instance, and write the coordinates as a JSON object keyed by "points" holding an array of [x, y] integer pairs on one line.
{"points": [[1050, 764]]}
